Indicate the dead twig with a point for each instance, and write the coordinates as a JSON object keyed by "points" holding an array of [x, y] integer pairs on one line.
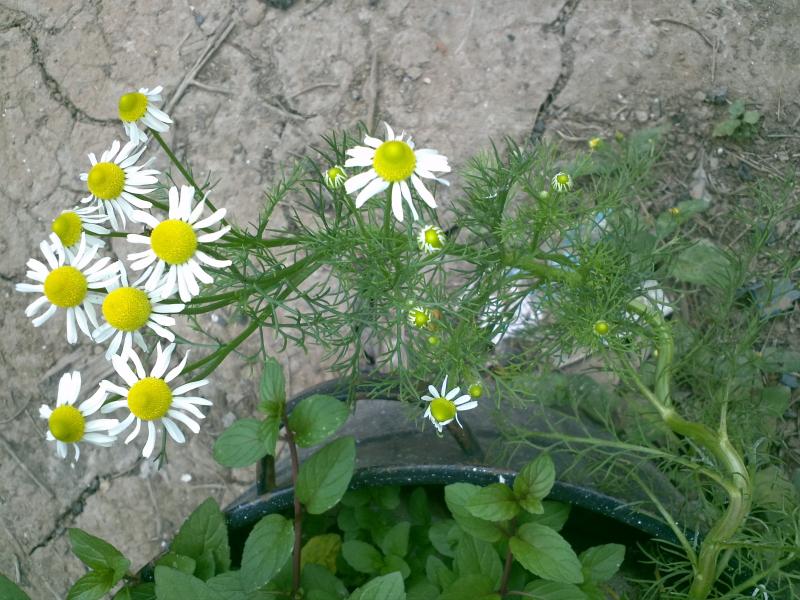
{"points": [[687, 26], [311, 88], [217, 39], [159, 524]]}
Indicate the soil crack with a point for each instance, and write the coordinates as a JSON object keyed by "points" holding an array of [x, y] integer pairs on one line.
{"points": [[557, 26]]}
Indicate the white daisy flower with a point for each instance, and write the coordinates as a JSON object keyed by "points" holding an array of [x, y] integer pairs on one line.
{"points": [[70, 224], [128, 309], [67, 424], [392, 163], [69, 282], [138, 109], [114, 181], [561, 182], [335, 177], [419, 316], [151, 400], [431, 239], [443, 406], [173, 246]]}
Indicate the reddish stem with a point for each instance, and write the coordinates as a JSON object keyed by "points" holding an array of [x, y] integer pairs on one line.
{"points": [[298, 511]]}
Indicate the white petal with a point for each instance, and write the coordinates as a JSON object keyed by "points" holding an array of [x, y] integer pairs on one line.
{"points": [[188, 421], [208, 238], [177, 370], [407, 195], [212, 262], [123, 425], [162, 360], [100, 425], [211, 219], [376, 186], [185, 206], [135, 432], [35, 305], [356, 182], [397, 202], [423, 192], [151, 440], [188, 407], [173, 431], [112, 406], [61, 448], [45, 411], [124, 371], [44, 316], [189, 386], [72, 332], [93, 403]]}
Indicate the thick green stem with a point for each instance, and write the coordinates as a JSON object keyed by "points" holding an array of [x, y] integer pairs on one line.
{"points": [[736, 482], [539, 269]]}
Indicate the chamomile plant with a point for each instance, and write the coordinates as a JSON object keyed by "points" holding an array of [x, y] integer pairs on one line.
{"points": [[540, 260]]}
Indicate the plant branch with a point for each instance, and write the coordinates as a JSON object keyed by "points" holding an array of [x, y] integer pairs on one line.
{"points": [[298, 511]]}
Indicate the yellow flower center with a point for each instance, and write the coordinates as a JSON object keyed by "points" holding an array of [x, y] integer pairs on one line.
{"points": [[562, 178], [106, 180], [419, 317], [173, 241], [67, 424], [68, 227], [601, 328], [674, 211], [334, 175], [132, 106], [65, 286], [442, 409], [475, 390], [127, 309], [595, 143], [432, 238], [394, 161], [150, 398]]}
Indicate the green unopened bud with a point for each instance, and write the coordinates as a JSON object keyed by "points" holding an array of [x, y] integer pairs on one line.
{"points": [[475, 390], [434, 340], [601, 328]]}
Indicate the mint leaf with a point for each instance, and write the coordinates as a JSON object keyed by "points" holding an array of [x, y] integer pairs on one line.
{"points": [[534, 482], [92, 586], [474, 556], [245, 442], [98, 554], [387, 587], [142, 591], [324, 477], [204, 537], [545, 553], [317, 418], [474, 587], [273, 386], [552, 590], [10, 591], [184, 564], [316, 578], [555, 515], [363, 557], [457, 496], [171, 584], [266, 550], [600, 563], [396, 539]]}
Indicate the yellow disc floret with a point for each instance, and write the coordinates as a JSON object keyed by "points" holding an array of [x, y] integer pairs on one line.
{"points": [[433, 238], [68, 227], [106, 180], [173, 241], [149, 398], [442, 409], [127, 309], [419, 317], [601, 328], [132, 106], [65, 286], [67, 424], [394, 161]]}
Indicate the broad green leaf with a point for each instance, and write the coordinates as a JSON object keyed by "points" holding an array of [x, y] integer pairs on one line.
{"points": [[534, 482], [396, 539], [228, 586], [317, 418], [751, 117], [555, 515], [98, 554], [702, 263], [599, 563], [422, 590], [395, 564], [592, 591], [438, 573], [205, 566], [245, 442], [474, 587], [386, 587], [726, 128], [387, 496], [10, 591], [266, 550], [736, 108], [184, 564], [324, 477], [273, 385], [142, 591], [545, 553], [418, 507], [439, 535], [204, 534], [474, 556], [457, 496], [171, 584], [495, 502], [315, 578], [775, 399], [322, 550], [552, 590], [363, 557], [92, 586]]}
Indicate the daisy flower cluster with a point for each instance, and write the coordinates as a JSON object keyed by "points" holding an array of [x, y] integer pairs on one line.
{"points": [[98, 301]]}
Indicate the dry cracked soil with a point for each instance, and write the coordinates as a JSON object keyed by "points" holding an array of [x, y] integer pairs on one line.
{"points": [[250, 86]]}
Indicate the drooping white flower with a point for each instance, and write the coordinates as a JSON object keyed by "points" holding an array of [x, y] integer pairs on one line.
{"points": [[335, 177], [114, 181], [71, 224], [431, 239], [151, 400], [561, 182], [68, 281], [393, 162], [67, 424], [173, 246], [443, 406], [138, 111], [419, 316]]}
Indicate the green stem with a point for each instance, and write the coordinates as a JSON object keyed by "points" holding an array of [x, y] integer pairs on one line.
{"points": [[541, 270], [220, 353], [298, 510]]}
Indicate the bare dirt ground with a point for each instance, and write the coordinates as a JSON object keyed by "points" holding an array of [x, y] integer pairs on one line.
{"points": [[251, 85]]}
